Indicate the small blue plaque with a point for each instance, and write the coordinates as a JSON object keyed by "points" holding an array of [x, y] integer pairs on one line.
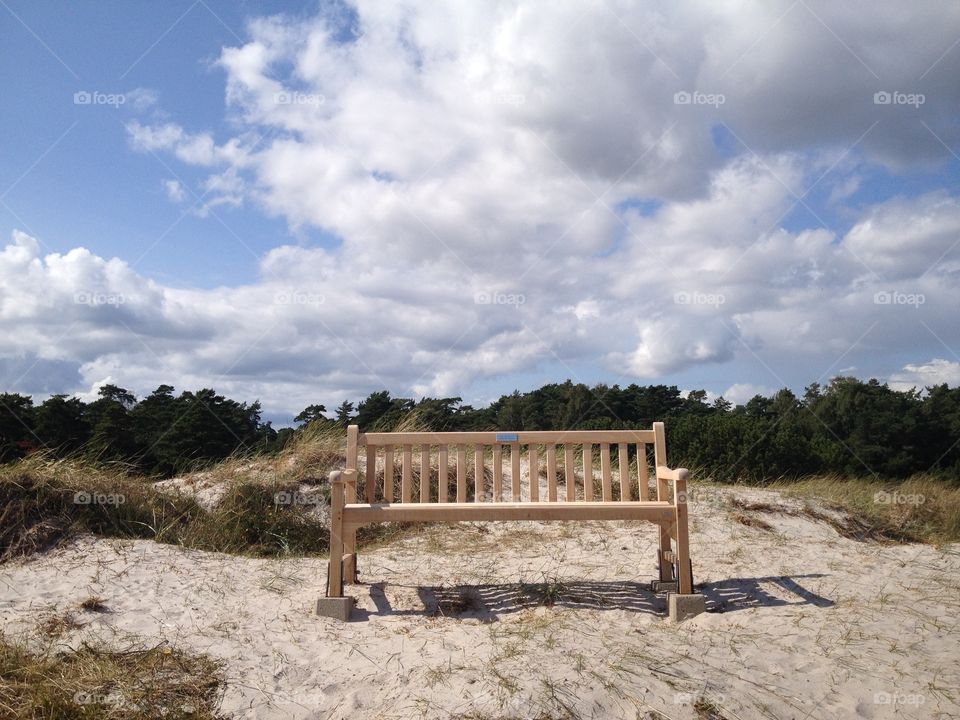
{"points": [[506, 437]]}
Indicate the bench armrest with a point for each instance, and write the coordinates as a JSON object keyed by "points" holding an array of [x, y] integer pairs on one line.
{"points": [[679, 478], [665, 473], [342, 476]]}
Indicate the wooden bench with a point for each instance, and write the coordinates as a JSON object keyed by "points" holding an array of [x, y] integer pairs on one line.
{"points": [[426, 491]]}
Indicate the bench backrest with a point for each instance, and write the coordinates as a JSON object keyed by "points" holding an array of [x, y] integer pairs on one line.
{"points": [[423, 460]]}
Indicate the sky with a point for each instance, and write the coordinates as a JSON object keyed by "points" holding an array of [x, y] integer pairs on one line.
{"points": [[305, 202]]}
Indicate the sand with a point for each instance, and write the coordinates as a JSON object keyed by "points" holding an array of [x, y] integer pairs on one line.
{"points": [[456, 621]]}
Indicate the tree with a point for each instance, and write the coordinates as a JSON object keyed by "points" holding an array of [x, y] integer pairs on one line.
{"points": [[722, 404], [310, 414], [17, 435], [152, 422], [112, 436], [344, 413], [379, 410], [61, 424], [440, 414]]}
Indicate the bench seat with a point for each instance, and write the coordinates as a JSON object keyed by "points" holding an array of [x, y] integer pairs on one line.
{"points": [[657, 511]]}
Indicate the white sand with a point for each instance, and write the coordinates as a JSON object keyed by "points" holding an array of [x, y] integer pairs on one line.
{"points": [[813, 625]]}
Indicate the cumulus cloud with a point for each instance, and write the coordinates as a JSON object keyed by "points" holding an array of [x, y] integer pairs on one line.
{"points": [[741, 393], [174, 190], [935, 372], [522, 185]]}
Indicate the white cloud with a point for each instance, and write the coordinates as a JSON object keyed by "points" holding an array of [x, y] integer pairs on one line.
{"points": [[174, 190], [935, 372], [142, 99], [496, 149], [741, 393]]}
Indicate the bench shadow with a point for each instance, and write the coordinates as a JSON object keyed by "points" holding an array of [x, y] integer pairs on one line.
{"points": [[744, 593], [488, 602]]}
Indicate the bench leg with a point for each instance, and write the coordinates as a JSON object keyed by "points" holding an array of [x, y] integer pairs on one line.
{"points": [[682, 556], [666, 567], [335, 570], [350, 556]]}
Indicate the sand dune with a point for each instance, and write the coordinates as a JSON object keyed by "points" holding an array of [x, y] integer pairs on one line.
{"points": [[541, 620]]}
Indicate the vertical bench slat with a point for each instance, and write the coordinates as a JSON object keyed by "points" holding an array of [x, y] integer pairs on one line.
{"points": [[424, 473], [443, 484], [663, 494], [371, 473], [605, 472], [623, 459], [533, 457], [406, 476], [552, 473], [515, 471], [643, 473], [388, 473], [479, 489], [497, 473], [588, 471], [350, 493], [569, 476], [461, 473]]}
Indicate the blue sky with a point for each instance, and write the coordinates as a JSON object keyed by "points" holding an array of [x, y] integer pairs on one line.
{"points": [[108, 198], [302, 202]]}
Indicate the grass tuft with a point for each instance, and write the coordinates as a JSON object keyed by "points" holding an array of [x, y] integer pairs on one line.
{"points": [[94, 603], [93, 682], [922, 508]]}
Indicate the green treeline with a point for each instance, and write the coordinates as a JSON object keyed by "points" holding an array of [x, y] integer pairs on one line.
{"points": [[849, 427]]}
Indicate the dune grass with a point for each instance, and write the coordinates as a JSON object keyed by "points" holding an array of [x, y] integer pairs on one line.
{"points": [[100, 683], [45, 501], [923, 508]]}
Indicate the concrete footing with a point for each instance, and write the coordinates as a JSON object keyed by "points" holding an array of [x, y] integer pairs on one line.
{"points": [[338, 608], [682, 607], [664, 586]]}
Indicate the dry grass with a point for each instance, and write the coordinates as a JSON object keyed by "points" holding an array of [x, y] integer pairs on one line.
{"points": [[921, 509], [43, 505], [707, 710], [752, 521], [94, 603], [307, 458], [55, 625], [93, 682], [45, 501]]}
